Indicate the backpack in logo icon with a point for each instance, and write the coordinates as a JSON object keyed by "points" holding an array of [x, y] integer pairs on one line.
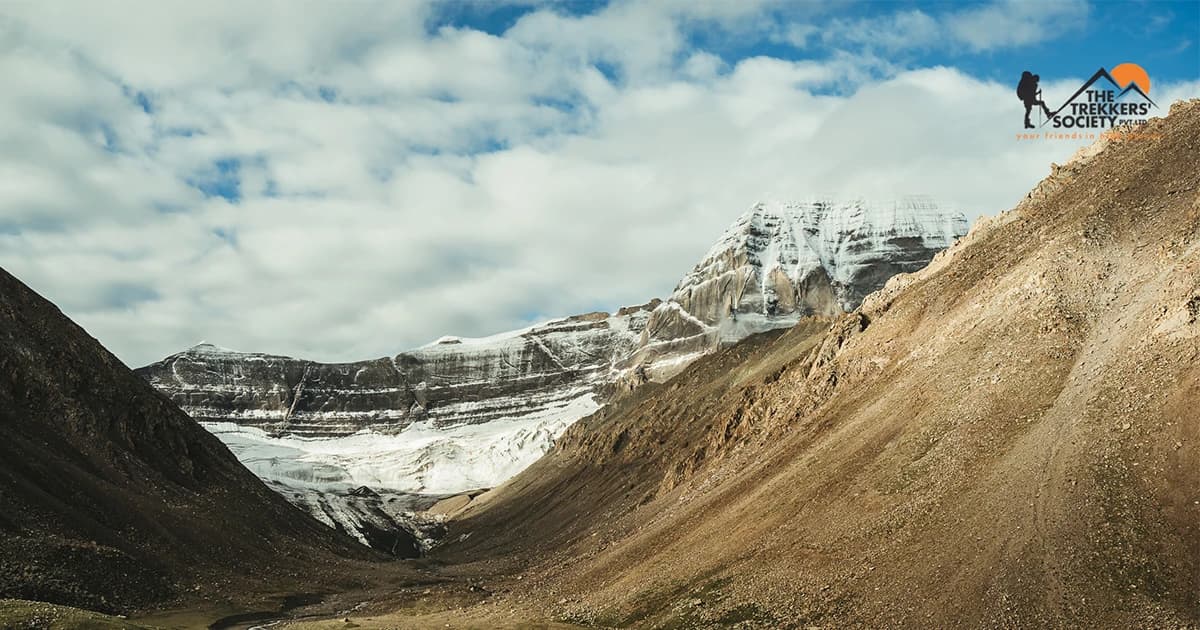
{"points": [[1027, 86]]}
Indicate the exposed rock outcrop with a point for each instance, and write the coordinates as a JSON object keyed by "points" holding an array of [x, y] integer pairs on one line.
{"points": [[781, 262], [453, 381]]}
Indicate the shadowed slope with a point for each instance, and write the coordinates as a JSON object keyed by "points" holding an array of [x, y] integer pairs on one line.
{"points": [[110, 496]]}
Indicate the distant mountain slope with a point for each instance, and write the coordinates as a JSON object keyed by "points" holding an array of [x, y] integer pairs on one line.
{"points": [[454, 381], [1007, 438], [110, 496]]}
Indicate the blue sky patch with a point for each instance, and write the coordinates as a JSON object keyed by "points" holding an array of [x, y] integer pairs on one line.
{"points": [[222, 180], [496, 18]]}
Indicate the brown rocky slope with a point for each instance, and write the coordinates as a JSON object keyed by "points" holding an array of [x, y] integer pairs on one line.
{"points": [[111, 498], [1010, 437]]}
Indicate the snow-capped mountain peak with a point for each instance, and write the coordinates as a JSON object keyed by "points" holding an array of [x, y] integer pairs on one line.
{"points": [[778, 254], [205, 347], [461, 413]]}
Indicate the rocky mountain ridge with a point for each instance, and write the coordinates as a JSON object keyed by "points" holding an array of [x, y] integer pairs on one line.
{"points": [[452, 381], [781, 262]]}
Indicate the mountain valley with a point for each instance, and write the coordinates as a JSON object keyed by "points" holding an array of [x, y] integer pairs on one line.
{"points": [[1005, 437], [366, 447]]}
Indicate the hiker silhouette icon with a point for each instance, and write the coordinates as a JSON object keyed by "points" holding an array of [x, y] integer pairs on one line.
{"points": [[1031, 95]]}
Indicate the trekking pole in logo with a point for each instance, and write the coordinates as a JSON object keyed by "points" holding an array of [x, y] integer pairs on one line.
{"points": [[1039, 99]]}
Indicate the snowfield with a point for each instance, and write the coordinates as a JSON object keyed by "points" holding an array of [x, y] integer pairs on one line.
{"points": [[419, 459]]}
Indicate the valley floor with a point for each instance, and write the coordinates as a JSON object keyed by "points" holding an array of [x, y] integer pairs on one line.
{"points": [[427, 599]]}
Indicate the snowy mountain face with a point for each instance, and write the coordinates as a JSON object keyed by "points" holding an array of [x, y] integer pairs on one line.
{"points": [[462, 414], [780, 262], [535, 372]]}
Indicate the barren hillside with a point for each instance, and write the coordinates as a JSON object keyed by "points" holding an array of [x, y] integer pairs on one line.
{"points": [[112, 498], [1009, 437]]}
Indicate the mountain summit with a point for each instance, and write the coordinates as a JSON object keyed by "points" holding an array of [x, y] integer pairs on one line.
{"points": [[780, 262]]}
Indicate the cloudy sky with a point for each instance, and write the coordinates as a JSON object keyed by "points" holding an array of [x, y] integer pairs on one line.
{"points": [[346, 180]]}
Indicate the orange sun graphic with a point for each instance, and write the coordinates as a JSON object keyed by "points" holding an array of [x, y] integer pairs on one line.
{"points": [[1127, 73]]}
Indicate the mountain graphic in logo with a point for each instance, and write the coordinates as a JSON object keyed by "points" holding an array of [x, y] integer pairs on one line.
{"points": [[1132, 78], [1106, 103], [1136, 89]]}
